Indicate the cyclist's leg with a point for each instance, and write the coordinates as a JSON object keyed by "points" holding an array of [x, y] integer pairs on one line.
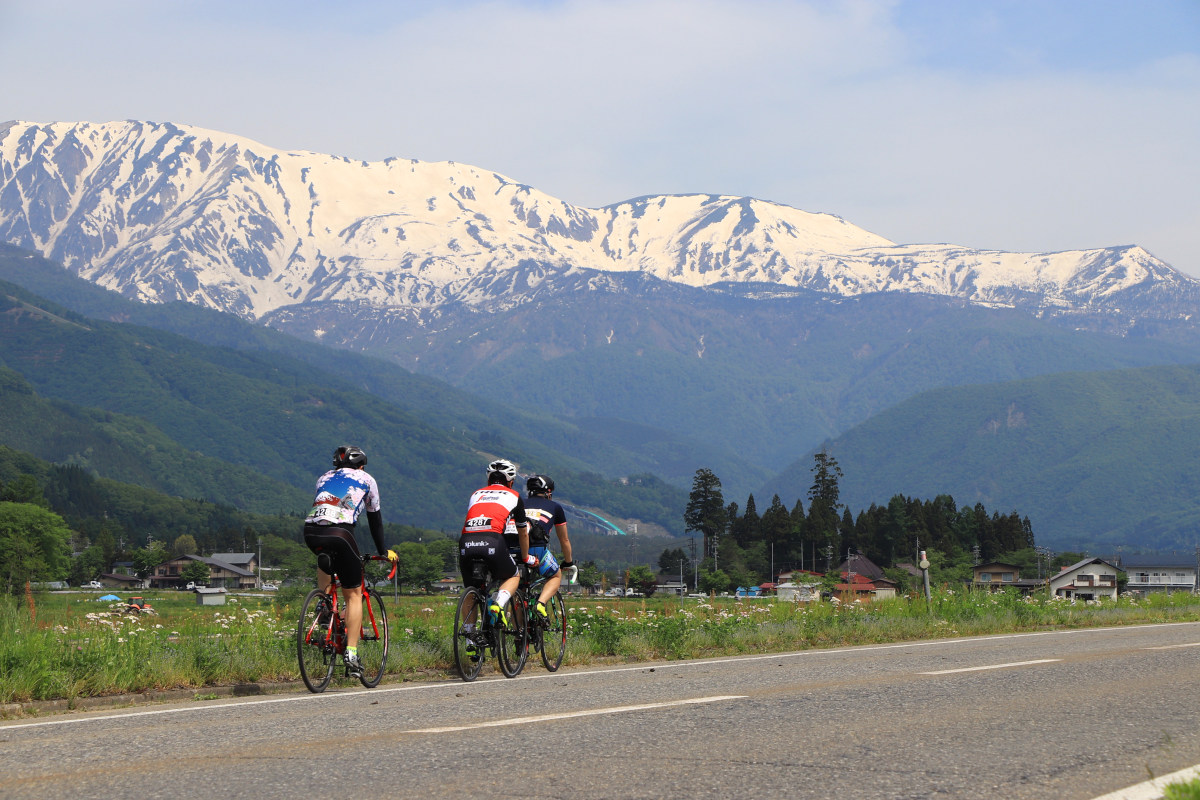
{"points": [[548, 568], [353, 614]]}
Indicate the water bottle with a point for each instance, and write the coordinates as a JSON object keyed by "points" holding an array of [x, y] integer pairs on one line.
{"points": [[491, 615]]}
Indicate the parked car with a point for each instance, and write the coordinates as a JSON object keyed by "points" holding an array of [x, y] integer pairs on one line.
{"points": [[193, 585], [94, 585], [270, 587]]}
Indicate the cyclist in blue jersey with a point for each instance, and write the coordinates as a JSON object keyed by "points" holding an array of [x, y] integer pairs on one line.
{"points": [[545, 514], [343, 493]]}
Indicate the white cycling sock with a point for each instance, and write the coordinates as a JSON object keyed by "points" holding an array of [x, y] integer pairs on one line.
{"points": [[502, 597]]}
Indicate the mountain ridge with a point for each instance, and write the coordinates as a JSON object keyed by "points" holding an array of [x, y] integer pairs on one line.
{"points": [[170, 212]]}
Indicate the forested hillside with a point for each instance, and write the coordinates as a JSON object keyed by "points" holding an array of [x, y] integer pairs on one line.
{"points": [[1095, 460], [273, 418], [548, 442]]}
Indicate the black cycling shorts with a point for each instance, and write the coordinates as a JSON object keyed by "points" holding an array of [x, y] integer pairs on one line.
{"points": [[488, 549], [342, 549]]}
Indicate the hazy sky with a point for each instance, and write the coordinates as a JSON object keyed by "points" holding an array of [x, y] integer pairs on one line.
{"points": [[1028, 125]]}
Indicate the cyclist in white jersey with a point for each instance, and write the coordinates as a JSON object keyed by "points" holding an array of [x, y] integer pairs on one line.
{"points": [[343, 493]]}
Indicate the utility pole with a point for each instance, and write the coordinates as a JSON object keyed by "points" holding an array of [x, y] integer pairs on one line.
{"points": [[695, 564]]}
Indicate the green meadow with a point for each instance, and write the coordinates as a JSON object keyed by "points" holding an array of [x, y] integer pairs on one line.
{"points": [[70, 645]]}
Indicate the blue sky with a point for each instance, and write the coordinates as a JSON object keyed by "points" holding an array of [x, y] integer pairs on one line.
{"points": [[1025, 125]]}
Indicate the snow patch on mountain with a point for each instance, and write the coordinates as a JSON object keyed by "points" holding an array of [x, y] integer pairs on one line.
{"points": [[166, 212]]}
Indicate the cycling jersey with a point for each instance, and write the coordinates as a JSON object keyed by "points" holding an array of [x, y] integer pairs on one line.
{"points": [[491, 509], [343, 494], [543, 514]]}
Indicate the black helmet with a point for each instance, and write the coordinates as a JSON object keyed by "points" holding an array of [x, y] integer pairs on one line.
{"points": [[347, 456], [503, 467], [539, 484]]}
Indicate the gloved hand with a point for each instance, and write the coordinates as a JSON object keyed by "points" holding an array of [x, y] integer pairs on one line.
{"points": [[531, 560], [570, 572], [392, 557]]}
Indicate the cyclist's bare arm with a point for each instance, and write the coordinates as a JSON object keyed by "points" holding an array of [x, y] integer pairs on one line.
{"points": [[564, 540]]}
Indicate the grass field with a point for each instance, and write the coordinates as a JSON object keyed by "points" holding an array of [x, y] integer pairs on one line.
{"points": [[70, 645]]}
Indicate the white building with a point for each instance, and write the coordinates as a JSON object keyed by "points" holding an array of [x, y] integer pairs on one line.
{"points": [[1090, 579], [1158, 573]]}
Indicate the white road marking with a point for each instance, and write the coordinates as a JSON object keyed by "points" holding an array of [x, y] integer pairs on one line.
{"points": [[992, 666], [1173, 646], [454, 684], [1152, 790], [592, 712]]}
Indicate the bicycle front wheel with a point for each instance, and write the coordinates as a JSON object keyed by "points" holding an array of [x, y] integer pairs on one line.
{"points": [[373, 643], [513, 638], [554, 632], [315, 647], [468, 647]]}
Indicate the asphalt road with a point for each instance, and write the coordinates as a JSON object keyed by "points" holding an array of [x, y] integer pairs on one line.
{"points": [[1071, 714]]}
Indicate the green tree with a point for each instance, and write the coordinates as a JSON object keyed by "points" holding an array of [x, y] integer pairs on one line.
{"points": [[447, 551], [670, 562], [88, 565], [823, 522], [589, 574], [145, 559], [36, 544], [25, 489], [641, 578], [195, 571], [184, 545], [417, 567], [713, 580], [705, 510], [826, 475]]}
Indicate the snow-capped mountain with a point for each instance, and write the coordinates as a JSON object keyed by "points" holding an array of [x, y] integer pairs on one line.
{"points": [[166, 212]]}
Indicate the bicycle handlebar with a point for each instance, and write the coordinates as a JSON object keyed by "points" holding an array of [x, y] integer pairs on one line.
{"points": [[391, 574]]}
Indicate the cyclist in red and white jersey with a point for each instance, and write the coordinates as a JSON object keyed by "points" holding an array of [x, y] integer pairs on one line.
{"points": [[491, 511]]}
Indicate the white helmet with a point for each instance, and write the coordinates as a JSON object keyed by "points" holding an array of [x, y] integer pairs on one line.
{"points": [[504, 467]]}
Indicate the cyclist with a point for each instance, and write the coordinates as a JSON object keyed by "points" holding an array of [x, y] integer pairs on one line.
{"points": [[343, 493], [494, 510], [544, 513]]}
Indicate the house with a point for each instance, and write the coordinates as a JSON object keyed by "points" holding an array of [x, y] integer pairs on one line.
{"points": [[860, 565], [799, 586], [1089, 579], [449, 582], [1156, 573], [246, 561], [860, 586], [113, 580], [666, 584], [221, 574], [998, 575]]}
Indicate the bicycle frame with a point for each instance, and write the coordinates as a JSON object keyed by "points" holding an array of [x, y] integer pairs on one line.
{"points": [[335, 634]]}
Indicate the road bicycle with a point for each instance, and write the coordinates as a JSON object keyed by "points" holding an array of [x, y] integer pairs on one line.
{"points": [[477, 633], [321, 634], [546, 636]]}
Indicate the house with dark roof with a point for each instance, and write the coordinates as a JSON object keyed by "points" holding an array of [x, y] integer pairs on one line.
{"points": [[221, 574], [1160, 573], [997, 575]]}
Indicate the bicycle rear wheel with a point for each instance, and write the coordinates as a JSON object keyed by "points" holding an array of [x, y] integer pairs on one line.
{"points": [[468, 648], [513, 638], [315, 647], [554, 632], [373, 644]]}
